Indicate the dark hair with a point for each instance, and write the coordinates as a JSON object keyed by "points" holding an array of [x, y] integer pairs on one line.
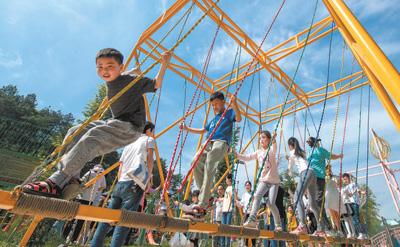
{"points": [[217, 95], [346, 175], [266, 133], [312, 141], [148, 125], [196, 193], [229, 176], [297, 149], [110, 52], [247, 182]]}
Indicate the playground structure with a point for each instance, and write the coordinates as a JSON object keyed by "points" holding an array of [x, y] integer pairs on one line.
{"points": [[381, 74]]}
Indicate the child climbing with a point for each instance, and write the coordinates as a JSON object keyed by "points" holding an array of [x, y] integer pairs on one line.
{"points": [[269, 180], [336, 209], [307, 183], [317, 160], [352, 199], [133, 177], [216, 149], [100, 137]]}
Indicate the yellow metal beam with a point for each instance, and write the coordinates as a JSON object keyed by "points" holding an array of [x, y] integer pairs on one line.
{"points": [[158, 222], [316, 96], [239, 36], [382, 75], [158, 159], [284, 49]]}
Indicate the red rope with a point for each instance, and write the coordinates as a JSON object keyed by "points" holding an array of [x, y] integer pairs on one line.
{"points": [[172, 165], [194, 164]]}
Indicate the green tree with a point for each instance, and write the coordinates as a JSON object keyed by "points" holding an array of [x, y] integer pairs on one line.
{"points": [[25, 128], [372, 217], [93, 105]]}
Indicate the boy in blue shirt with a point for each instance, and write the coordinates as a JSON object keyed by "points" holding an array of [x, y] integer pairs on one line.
{"points": [[218, 146]]}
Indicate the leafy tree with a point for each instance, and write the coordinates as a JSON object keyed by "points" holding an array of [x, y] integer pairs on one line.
{"points": [[26, 129], [93, 105], [374, 220]]}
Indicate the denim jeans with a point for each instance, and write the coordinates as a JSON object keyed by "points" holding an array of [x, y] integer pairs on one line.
{"points": [[356, 218], [126, 195], [275, 243], [226, 220]]}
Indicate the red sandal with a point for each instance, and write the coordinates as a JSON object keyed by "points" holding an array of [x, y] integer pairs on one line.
{"points": [[43, 188]]}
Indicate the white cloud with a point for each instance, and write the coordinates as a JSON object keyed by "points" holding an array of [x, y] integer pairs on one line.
{"points": [[10, 60], [370, 8]]}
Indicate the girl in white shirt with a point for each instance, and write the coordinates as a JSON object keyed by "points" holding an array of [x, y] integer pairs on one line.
{"points": [[307, 183], [269, 180]]}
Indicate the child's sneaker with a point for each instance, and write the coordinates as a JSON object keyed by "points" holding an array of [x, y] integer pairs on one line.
{"points": [[301, 229], [278, 229], [361, 236], [44, 188], [250, 223]]}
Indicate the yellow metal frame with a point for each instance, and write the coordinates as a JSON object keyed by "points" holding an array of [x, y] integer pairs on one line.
{"points": [[8, 201], [382, 76]]}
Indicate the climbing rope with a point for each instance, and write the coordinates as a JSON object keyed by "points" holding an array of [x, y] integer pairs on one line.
{"points": [[172, 164], [105, 105], [287, 97], [235, 94]]}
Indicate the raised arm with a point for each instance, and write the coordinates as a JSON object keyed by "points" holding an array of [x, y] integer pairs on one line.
{"points": [[246, 157], [336, 156], [234, 105], [165, 57]]}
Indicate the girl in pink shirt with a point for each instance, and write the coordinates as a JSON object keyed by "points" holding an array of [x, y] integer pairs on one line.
{"points": [[269, 180]]}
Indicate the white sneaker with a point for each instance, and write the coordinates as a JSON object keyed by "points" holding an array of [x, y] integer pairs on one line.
{"points": [[331, 233], [361, 236], [250, 223], [349, 235]]}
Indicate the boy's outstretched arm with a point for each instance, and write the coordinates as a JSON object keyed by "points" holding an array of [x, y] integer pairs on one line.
{"points": [[336, 156], [165, 57], [238, 115], [183, 126]]}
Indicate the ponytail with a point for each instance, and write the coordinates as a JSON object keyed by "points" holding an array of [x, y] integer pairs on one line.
{"points": [[297, 149]]}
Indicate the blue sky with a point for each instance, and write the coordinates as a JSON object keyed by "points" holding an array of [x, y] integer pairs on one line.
{"points": [[48, 48]]}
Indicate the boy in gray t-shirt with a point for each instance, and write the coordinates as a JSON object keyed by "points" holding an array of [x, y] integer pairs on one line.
{"points": [[101, 137]]}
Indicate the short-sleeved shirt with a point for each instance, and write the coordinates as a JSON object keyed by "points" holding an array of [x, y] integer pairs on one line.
{"points": [[93, 194], [245, 202], [317, 161], [227, 205], [224, 131], [134, 161], [130, 106], [352, 189], [218, 210]]}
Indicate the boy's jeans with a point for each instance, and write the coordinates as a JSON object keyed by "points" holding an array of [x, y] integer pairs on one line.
{"points": [[204, 172], [226, 220], [126, 195], [99, 137], [356, 218]]}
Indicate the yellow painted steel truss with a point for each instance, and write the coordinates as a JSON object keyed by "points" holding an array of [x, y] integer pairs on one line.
{"points": [[381, 74], [267, 60]]}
